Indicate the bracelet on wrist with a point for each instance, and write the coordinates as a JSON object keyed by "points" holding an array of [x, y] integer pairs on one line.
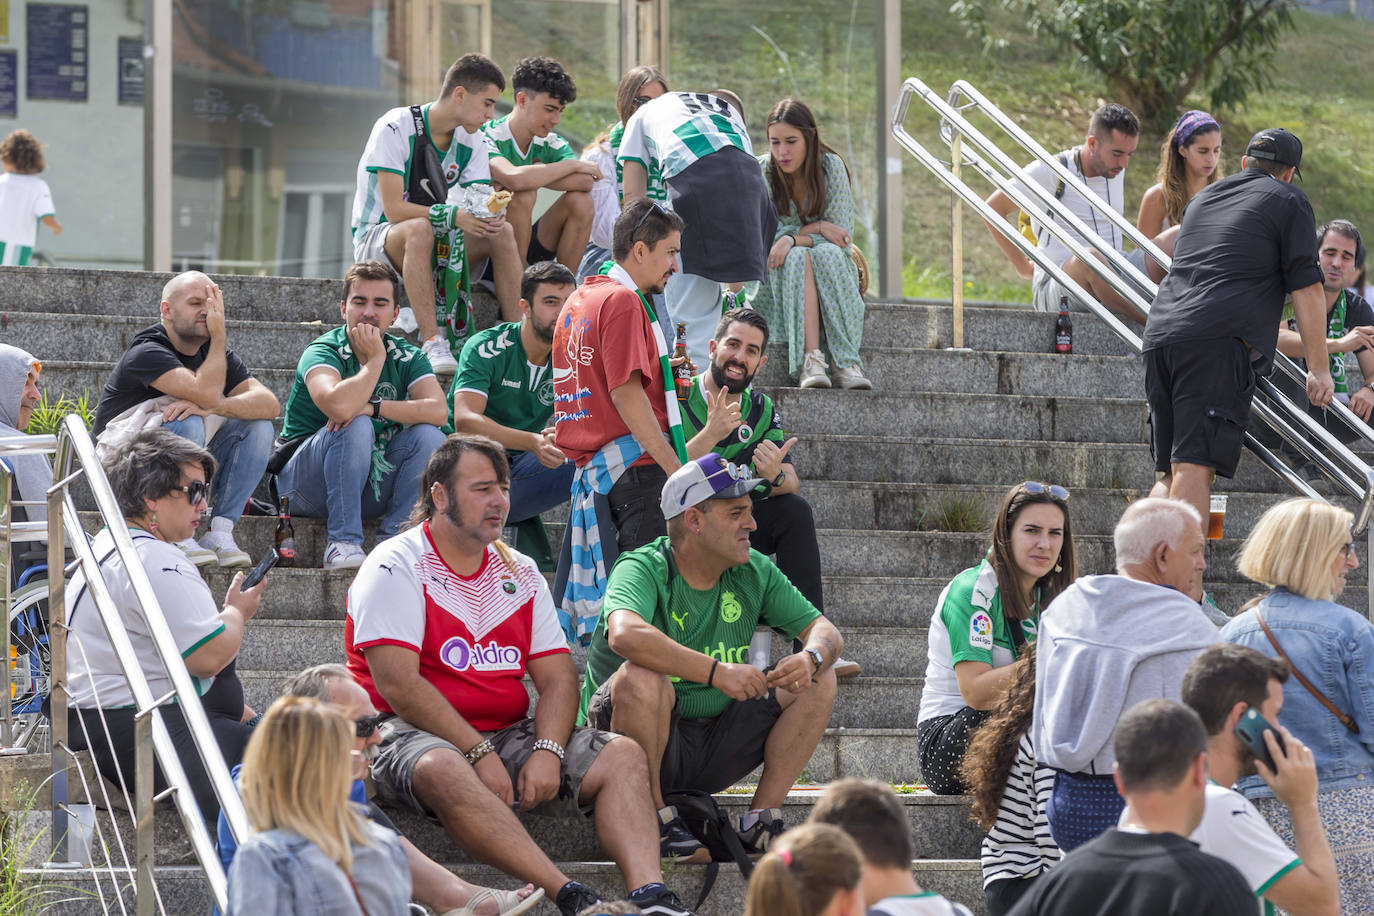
{"points": [[478, 751], [715, 663], [550, 745]]}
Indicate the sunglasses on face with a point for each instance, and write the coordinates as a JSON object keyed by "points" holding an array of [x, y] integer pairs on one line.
{"points": [[1036, 488], [1347, 549], [197, 491], [365, 726], [641, 99]]}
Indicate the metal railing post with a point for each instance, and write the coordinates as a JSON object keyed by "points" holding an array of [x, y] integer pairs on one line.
{"points": [[6, 572], [57, 667], [144, 826], [956, 248]]}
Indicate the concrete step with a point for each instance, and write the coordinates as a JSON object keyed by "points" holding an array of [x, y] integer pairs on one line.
{"points": [[183, 889], [296, 644], [941, 827]]}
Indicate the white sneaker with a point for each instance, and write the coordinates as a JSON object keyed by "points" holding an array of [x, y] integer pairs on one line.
{"points": [[342, 555], [849, 377], [813, 370], [227, 553], [844, 668], [440, 356], [197, 554]]}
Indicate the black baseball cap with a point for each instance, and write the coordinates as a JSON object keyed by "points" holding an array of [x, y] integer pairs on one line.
{"points": [[1276, 145]]}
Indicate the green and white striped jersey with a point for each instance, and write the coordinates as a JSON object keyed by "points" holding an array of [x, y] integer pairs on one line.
{"points": [[543, 150], [391, 147], [675, 130]]}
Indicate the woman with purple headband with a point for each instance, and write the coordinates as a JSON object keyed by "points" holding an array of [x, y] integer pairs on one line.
{"points": [[1189, 160]]}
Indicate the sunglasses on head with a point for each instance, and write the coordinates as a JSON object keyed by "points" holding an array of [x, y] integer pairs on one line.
{"points": [[1036, 488], [197, 491], [365, 726], [647, 210]]}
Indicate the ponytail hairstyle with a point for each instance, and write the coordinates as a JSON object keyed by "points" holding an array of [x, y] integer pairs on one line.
{"points": [[803, 872], [1173, 169]]}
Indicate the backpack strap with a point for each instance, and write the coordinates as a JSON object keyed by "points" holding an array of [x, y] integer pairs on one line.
{"points": [[1058, 193]]}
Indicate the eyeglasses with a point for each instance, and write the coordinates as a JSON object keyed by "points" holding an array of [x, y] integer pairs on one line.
{"points": [[1348, 549], [647, 210], [197, 491], [365, 726], [642, 99], [1036, 488]]}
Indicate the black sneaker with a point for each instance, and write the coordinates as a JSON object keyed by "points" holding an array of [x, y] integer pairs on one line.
{"points": [[574, 897], [765, 830], [657, 900], [675, 841]]}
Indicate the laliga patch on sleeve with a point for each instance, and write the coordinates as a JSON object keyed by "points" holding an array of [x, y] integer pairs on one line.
{"points": [[980, 631]]}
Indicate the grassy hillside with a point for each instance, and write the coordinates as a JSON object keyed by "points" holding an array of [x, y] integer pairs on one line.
{"points": [[821, 51]]}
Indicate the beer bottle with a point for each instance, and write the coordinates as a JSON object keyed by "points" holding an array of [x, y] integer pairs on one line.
{"points": [[286, 538], [682, 374], [1063, 328]]}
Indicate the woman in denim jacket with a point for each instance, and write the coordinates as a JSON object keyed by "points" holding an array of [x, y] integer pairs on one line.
{"points": [[314, 853], [1302, 549]]}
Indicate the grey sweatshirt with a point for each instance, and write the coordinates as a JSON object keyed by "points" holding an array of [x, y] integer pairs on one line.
{"points": [[32, 471], [1105, 644]]}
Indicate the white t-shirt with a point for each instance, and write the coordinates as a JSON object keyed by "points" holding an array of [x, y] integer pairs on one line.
{"points": [[1233, 829], [675, 130], [1110, 191], [24, 200], [94, 678], [391, 148]]}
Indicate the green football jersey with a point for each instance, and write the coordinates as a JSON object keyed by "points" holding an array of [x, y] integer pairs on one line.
{"points": [[493, 364]]}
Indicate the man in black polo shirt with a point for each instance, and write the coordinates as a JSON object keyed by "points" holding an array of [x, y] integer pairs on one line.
{"points": [[1148, 866], [725, 415], [1244, 242]]}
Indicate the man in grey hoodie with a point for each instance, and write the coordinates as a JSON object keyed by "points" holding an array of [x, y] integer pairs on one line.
{"points": [[32, 475], [1110, 642]]}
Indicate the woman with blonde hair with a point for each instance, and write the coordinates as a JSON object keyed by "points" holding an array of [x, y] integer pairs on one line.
{"points": [[811, 870], [313, 851], [1302, 550], [1189, 160]]}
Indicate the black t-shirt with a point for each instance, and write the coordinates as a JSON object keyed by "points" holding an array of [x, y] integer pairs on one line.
{"points": [[1245, 242], [149, 357], [1139, 874]]}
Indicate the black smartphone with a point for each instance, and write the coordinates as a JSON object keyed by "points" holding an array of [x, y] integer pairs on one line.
{"points": [[253, 578], [1250, 730]]}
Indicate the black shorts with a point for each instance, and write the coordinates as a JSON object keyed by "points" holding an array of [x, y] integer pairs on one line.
{"points": [[707, 755], [1199, 393], [536, 251]]}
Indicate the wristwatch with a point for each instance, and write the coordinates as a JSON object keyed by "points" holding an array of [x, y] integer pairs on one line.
{"points": [[376, 403], [779, 480], [818, 658]]}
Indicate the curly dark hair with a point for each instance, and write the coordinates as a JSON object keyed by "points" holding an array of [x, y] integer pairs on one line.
{"points": [[22, 152], [544, 74], [992, 751]]}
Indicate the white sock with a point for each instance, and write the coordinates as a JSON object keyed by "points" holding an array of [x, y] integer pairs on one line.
{"points": [[221, 525]]}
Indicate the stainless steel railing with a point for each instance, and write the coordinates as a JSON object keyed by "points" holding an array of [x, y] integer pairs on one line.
{"points": [[969, 147], [73, 458]]}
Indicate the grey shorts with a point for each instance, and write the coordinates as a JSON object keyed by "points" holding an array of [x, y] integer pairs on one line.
{"points": [[403, 745], [1046, 291], [706, 755], [370, 244]]}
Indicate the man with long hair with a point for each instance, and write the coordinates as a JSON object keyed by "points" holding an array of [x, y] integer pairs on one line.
{"points": [[444, 621]]}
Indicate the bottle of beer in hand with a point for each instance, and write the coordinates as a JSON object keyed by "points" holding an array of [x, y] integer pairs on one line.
{"points": [[1063, 328], [286, 538], [683, 372]]}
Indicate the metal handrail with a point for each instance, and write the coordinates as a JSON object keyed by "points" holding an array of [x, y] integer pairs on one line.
{"points": [[74, 456], [1290, 420]]}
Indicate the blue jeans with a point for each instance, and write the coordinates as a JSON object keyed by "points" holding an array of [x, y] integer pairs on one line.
{"points": [[241, 449], [328, 478], [535, 488]]}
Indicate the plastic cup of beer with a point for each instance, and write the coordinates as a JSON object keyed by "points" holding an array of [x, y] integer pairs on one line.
{"points": [[1216, 518]]}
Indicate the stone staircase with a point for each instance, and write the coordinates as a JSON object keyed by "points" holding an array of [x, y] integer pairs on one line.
{"points": [[902, 480]]}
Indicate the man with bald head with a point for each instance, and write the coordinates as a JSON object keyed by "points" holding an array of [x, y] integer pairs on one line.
{"points": [[179, 374]]}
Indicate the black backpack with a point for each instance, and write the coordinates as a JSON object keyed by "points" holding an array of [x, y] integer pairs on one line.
{"points": [[713, 830]]}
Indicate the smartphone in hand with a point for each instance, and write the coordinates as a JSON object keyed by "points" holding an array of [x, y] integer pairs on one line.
{"points": [[1250, 730], [267, 562]]}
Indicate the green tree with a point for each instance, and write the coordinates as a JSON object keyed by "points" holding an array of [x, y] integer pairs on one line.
{"points": [[1154, 53]]}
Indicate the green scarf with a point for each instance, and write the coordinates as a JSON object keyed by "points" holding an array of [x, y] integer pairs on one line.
{"points": [[1335, 326]]}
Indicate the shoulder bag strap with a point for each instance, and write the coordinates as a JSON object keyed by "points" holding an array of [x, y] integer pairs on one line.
{"points": [[356, 896], [1345, 720]]}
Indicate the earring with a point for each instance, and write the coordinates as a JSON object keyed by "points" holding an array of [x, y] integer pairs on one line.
{"points": [[1057, 567], [152, 526]]}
